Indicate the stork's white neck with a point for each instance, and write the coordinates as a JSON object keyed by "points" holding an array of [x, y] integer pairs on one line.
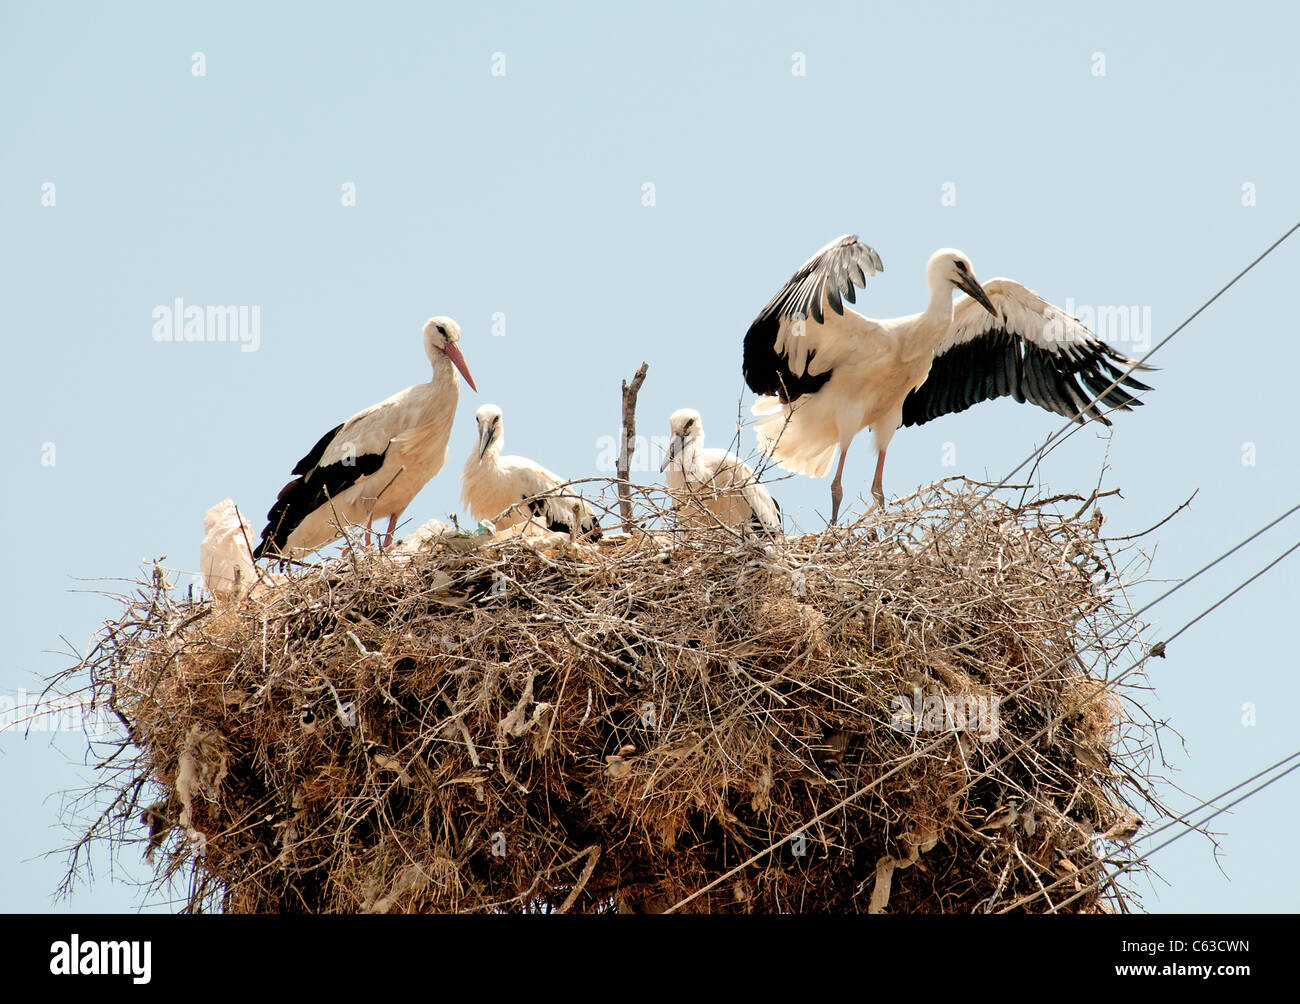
{"points": [[940, 308], [928, 328], [442, 367]]}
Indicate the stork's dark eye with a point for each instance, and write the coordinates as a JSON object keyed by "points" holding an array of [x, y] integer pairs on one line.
{"points": [[442, 330], [961, 265]]}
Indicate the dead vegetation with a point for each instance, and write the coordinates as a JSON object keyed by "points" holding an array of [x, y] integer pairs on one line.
{"points": [[917, 713]]}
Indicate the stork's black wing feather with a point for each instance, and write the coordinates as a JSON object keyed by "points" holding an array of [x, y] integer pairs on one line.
{"points": [[305, 465], [557, 520], [830, 274], [314, 487], [757, 526], [1000, 362]]}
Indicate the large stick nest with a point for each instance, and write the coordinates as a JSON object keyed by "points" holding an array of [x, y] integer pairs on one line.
{"points": [[698, 722]]}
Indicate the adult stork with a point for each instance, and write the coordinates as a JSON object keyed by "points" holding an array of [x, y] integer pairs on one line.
{"points": [[376, 462], [511, 490], [716, 479], [827, 374]]}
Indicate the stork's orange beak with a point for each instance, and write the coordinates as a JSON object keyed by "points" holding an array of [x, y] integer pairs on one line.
{"points": [[458, 360]]}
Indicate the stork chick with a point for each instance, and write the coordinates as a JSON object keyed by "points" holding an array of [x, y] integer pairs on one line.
{"points": [[716, 479], [511, 490]]}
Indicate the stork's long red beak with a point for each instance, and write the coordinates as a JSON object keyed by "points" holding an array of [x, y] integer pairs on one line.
{"points": [[458, 360]]}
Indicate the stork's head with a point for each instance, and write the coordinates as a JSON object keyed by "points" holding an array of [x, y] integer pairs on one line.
{"points": [[491, 432], [954, 268], [442, 334], [686, 427]]}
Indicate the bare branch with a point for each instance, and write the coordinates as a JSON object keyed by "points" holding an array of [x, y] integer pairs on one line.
{"points": [[628, 446]]}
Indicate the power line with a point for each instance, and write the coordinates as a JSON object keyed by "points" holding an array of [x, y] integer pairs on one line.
{"points": [[1189, 829], [1224, 599], [1204, 803], [1199, 572], [1070, 424], [1069, 427], [1235, 801], [1205, 568], [1158, 649]]}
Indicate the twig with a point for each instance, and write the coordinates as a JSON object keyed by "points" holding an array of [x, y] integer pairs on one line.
{"points": [[628, 447]]}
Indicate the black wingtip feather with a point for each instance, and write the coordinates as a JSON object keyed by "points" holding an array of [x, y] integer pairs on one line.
{"points": [[304, 465], [829, 277], [588, 529], [304, 495], [766, 372], [760, 528], [1001, 363]]}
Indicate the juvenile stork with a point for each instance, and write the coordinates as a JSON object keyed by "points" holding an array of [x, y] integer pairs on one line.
{"points": [[510, 490], [717, 479], [223, 556], [825, 375], [376, 462]]}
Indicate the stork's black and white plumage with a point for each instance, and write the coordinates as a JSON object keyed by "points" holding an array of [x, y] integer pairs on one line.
{"points": [[707, 478], [376, 462], [826, 372], [511, 490]]}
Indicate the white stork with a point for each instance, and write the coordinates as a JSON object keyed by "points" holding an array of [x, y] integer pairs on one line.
{"points": [[224, 560], [719, 480], [376, 462], [828, 374], [510, 490]]}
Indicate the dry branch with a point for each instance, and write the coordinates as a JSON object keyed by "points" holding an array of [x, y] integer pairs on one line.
{"points": [[630, 391]]}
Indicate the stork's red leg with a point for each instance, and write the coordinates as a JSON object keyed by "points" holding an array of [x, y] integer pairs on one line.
{"points": [[837, 489], [388, 536], [877, 486]]}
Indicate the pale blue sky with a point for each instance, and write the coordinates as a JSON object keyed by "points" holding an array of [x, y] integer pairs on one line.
{"points": [[522, 194]]}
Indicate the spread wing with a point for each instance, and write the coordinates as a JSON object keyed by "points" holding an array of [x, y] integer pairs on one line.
{"points": [[1032, 351], [792, 345]]}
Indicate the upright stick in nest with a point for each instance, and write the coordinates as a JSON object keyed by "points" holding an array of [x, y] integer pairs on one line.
{"points": [[630, 392]]}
